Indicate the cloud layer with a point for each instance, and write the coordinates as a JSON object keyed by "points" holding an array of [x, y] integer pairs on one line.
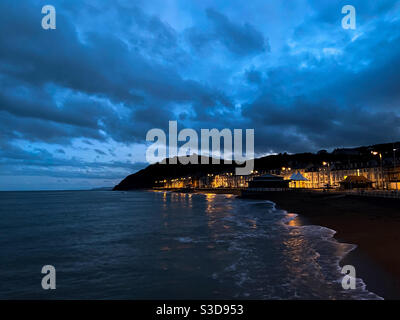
{"points": [[76, 102]]}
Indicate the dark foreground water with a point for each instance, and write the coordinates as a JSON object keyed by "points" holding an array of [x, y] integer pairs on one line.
{"points": [[159, 245]]}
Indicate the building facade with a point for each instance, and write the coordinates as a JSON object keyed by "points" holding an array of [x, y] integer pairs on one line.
{"points": [[325, 176]]}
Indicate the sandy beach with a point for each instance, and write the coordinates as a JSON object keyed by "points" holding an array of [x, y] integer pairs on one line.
{"points": [[373, 224]]}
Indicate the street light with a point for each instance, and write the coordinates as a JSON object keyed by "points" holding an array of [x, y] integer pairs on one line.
{"points": [[328, 172], [380, 157], [395, 177]]}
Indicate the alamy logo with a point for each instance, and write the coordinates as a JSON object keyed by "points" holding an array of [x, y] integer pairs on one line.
{"points": [[349, 20], [49, 20], [189, 151], [49, 280], [349, 280]]}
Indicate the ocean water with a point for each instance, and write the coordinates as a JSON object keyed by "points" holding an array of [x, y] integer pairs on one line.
{"points": [[161, 245]]}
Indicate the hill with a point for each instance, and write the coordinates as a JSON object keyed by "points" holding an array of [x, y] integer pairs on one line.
{"points": [[338, 158]]}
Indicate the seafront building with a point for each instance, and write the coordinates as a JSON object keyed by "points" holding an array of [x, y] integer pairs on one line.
{"points": [[327, 175]]}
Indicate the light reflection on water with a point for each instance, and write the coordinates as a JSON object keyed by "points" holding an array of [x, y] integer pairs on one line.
{"points": [[158, 245]]}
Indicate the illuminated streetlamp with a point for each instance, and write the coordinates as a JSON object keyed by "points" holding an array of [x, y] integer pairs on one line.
{"points": [[375, 153], [395, 177], [328, 172]]}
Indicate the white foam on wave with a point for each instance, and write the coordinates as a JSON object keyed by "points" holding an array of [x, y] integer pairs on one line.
{"points": [[327, 234]]}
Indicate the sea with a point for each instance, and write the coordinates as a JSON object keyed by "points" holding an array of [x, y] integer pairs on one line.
{"points": [[164, 245]]}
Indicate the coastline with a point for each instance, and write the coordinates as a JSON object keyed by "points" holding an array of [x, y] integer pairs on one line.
{"points": [[372, 224]]}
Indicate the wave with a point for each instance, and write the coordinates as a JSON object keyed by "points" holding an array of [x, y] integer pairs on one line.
{"points": [[343, 249]]}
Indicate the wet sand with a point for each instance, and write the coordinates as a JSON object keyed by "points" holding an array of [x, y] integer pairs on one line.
{"points": [[373, 224]]}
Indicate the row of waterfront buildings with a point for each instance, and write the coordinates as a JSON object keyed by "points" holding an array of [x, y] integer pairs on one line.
{"points": [[327, 175]]}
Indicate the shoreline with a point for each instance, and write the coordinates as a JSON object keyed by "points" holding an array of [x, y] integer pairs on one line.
{"points": [[372, 224]]}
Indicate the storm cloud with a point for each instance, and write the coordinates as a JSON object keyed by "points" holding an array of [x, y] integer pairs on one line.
{"points": [[85, 95]]}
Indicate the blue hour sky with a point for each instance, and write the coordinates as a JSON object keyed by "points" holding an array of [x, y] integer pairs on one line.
{"points": [[76, 102]]}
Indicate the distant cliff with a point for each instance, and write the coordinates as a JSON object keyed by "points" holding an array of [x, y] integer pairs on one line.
{"points": [[146, 178], [339, 158]]}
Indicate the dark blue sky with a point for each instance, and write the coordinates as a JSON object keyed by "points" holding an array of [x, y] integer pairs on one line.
{"points": [[76, 102]]}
